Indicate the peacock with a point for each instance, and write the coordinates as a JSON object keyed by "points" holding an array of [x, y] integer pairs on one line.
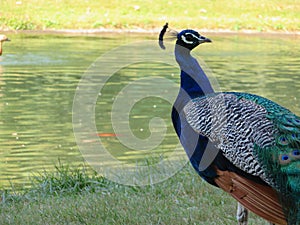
{"points": [[243, 143], [2, 39]]}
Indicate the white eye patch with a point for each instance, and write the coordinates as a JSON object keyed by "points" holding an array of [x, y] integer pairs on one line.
{"points": [[189, 42]]}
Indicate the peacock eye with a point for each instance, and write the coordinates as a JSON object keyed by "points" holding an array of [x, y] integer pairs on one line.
{"points": [[189, 37], [282, 140], [296, 153], [284, 159]]}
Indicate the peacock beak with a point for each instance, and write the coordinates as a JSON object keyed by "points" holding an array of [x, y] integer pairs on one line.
{"points": [[203, 39], [7, 39]]}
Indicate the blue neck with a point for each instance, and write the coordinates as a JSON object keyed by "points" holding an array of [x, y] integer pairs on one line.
{"points": [[193, 79], [190, 86], [194, 83]]}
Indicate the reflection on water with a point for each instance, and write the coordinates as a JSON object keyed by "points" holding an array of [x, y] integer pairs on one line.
{"points": [[39, 75]]}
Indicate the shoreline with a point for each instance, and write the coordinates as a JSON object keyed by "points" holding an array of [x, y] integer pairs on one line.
{"points": [[141, 31]]}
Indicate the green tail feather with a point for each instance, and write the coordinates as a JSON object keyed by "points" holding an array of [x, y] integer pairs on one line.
{"points": [[282, 160], [287, 183]]}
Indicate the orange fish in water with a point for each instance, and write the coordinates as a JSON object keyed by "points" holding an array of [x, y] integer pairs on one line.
{"points": [[107, 135]]}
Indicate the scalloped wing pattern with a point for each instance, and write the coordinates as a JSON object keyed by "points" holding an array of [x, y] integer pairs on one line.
{"points": [[235, 125]]}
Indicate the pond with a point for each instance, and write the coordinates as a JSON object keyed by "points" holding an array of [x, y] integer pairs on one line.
{"points": [[123, 85]]}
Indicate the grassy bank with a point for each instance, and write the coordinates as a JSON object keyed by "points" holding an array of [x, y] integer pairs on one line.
{"points": [[263, 15], [74, 197]]}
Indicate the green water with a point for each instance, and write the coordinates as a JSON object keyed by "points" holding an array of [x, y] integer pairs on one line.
{"points": [[40, 75]]}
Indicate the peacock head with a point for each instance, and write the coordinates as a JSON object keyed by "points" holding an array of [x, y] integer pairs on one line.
{"points": [[187, 38], [190, 39]]}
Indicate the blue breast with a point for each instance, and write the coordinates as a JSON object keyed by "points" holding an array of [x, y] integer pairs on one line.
{"points": [[192, 88]]}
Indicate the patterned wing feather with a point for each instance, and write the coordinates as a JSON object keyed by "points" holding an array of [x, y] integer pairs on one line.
{"points": [[234, 125], [248, 129]]}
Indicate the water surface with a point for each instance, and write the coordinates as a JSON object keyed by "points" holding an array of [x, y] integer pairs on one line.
{"points": [[39, 75]]}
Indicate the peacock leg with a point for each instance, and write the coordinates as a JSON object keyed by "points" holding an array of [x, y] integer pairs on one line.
{"points": [[242, 215]]}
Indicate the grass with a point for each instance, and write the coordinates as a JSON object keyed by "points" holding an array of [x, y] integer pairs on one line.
{"points": [[75, 196], [263, 15]]}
